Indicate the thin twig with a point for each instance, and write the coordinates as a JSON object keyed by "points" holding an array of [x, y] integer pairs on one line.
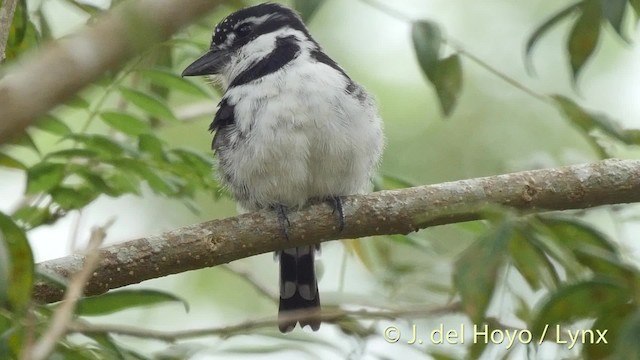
{"points": [[251, 280], [454, 44], [64, 313], [327, 316], [509, 80], [7, 11]]}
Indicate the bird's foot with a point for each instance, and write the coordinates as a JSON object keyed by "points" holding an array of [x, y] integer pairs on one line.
{"points": [[282, 211], [336, 203]]}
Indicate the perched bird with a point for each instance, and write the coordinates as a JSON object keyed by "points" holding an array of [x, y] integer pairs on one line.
{"points": [[292, 127]]}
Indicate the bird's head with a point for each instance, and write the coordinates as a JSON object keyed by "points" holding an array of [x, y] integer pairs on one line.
{"points": [[251, 35]]}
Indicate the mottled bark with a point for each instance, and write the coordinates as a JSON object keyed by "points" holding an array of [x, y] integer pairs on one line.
{"points": [[387, 212]]}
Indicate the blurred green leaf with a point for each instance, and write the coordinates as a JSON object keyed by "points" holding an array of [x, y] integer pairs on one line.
{"points": [[613, 11], [25, 140], [122, 183], [156, 182], [152, 105], [587, 122], [586, 299], [427, 41], [70, 198], [627, 345], [573, 235], [545, 27], [32, 216], [613, 323], [115, 301], [476, 271], [9, 162], [150, 144], [445, 74], [606, 264], [53, 125], [77, 102], [101, 144], [4, 275], [21, 266], [584, 36], [125, 123], [448, 83], [108, 345], [69, 154], [169, 79], [307, 8], [635, 4], [202, 165], [531, 262], [23, 34], [44, 176]]}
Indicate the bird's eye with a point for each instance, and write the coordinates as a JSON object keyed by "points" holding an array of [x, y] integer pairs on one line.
{"points": [[244, 30]]}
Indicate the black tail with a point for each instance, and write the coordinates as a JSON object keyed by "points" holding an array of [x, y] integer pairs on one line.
{"points": [[298, 289]]}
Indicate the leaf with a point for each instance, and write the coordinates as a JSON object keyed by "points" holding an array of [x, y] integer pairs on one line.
{"points": [[201, 165], [23, 34], [587, 122], [606, 264], [157, 183], [391, 182], [169, 79], [148, 103], [613, 11], [587, 299], [25, 140], [4, 276], [445, 74], [122, 183], [69, 154], [307, 8], [100, 144], [545, 27], [427, 41], [613, 322], [21, 266], [151, 145], [53, 125], [531, 262], [70, 198], [476, 271], [115, 301], [448, 83], [635, 4], [584, 36], [44, 176], [77, 102], [32, 216], [628, 346], [574, 235], [125, 123], [9, 162]]}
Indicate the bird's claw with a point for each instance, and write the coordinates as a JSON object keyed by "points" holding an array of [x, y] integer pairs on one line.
{"points": [[336, 203]]}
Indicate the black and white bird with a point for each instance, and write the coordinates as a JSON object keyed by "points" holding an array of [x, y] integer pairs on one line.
{"points": [[292, 127]]}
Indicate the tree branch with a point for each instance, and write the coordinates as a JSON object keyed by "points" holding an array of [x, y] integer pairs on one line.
{"points": [[386, 212], [327, 316], [130, 29], [7, 10]]}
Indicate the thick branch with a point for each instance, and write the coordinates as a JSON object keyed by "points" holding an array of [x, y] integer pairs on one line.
{"points": [[387, 212], [57, 72]]}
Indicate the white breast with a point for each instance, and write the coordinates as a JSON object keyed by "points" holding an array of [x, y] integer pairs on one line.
{"points": [[306, 136]]}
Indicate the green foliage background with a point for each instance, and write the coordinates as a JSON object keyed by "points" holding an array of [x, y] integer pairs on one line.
{"points": [[457, 100]]}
